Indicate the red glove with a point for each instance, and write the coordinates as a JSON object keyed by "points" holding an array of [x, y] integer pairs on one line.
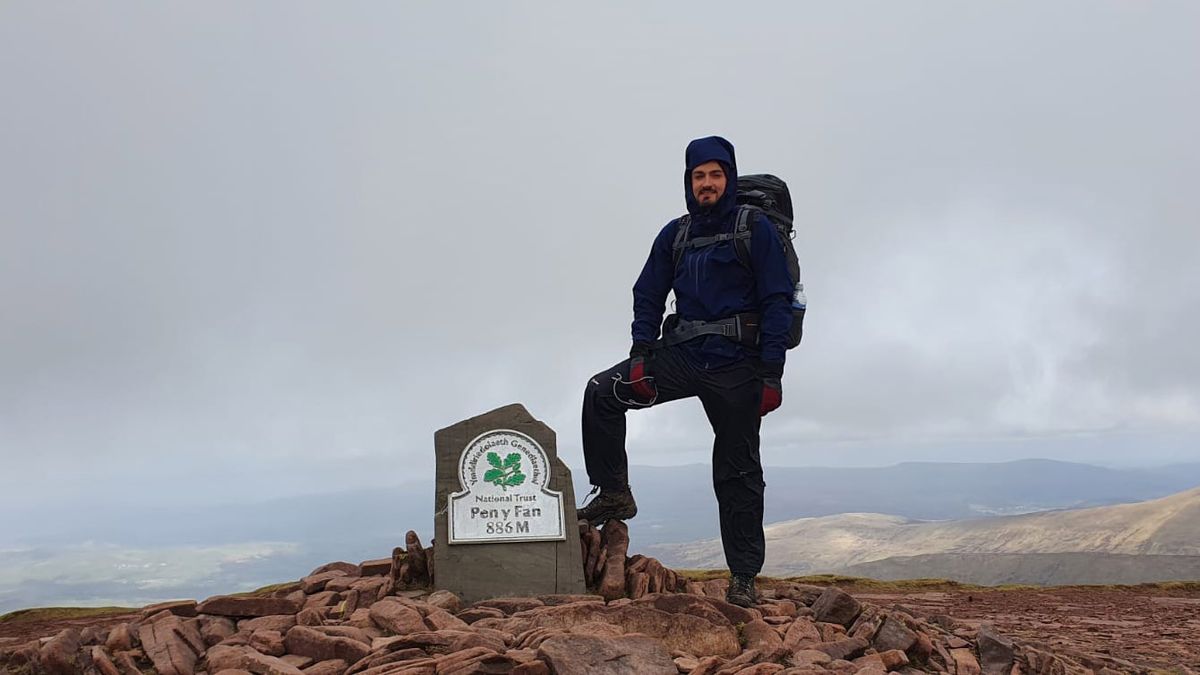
{"points": [[772, 397], [639, 377], [772, 393]]}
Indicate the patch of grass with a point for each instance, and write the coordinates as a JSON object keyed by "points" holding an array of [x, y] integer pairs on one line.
{"points": [[906, 585], [901, 585], [61, 613], [1189, 586], [917, 585], [703, 575]]}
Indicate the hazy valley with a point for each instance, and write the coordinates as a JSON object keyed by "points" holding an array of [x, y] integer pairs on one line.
{"points": [[139, 553]]}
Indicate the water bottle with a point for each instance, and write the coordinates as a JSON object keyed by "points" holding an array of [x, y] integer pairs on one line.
{"points": [[799, 300]]}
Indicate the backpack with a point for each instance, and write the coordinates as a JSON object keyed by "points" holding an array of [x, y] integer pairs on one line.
{"points": [[758, 193]]}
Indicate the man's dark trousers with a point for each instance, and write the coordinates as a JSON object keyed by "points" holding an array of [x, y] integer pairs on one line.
{"points": [[731, 396]]}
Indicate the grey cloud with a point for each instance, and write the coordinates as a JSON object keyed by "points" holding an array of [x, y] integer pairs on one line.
{"points": [[288, 237]]}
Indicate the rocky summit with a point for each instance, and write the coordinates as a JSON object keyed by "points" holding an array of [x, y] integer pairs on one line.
{"points": [[382, 617]]}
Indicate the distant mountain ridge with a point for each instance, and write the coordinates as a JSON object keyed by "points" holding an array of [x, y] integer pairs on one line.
{"points": [[681, 507], [1165, 531]]}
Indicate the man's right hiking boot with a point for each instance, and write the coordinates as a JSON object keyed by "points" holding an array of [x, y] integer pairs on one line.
{"points": [[610, 504], [741, 591]]}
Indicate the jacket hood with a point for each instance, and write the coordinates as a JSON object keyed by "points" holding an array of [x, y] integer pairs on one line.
{"points": [[708, 149]]}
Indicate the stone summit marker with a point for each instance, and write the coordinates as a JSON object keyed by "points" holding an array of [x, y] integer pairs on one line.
{"points": [[504, 514]]}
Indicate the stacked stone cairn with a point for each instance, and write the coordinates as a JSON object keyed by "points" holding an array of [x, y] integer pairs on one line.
{"points": [[380, 617]]}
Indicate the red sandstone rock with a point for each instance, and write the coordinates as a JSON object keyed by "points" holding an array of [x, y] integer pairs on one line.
{"points": [[708, 665], [836, 606], [185, 608], [102, 663], [60, 655], [685, 604], [893, 634], [245, 606], [555, 599], [677, 631], [269, 642], [535, 667], [534, 637], [636, 584], [310, 616], [213, 629], [965, 662], [589, 539], [348, 568], [441, 620], [761, 669], [511, 605], [418, 564], [166, 648], [346, 632], [319, 646], [445, 600], [715, 588], [734, 613], [279, 622], [597, 629], [867, 624], [847, 648], [803, 658], [758, 635], [831, 632], [300, 662], [476, 613], [372, 568], [893, 659], [392, 615], [996, 653], [384, 655], [587, 655], [471, 660], [334, 667], [615, 538], [316, 583], [120, 638], [801, 633], [223, 657]]}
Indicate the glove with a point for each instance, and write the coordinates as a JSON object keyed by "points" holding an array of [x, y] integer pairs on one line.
{"points": [[772, 393], [639, 373]]}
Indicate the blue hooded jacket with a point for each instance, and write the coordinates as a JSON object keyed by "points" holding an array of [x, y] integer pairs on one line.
{"points": [[710, 283]]}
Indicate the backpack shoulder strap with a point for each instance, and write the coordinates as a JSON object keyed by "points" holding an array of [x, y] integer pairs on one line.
{"points": [[681, 238], [741, 233]]}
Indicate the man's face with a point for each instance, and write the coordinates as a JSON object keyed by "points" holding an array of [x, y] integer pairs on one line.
{"points": [[708, 183]]}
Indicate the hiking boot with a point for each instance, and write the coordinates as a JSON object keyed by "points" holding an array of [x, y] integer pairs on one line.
{"points": [[741, 591], [610, 504]]}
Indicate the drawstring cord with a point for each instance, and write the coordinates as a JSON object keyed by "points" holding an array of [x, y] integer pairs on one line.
{"points": [[649, 378]]}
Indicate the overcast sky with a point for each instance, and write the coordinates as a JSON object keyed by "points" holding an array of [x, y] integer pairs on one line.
{"points": [[255, 249]]}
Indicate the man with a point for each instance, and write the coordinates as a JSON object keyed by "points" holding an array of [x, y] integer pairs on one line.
{"points": [[718, 296]]}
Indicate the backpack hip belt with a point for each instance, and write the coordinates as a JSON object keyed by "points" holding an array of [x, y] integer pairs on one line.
{"points": [[741, 328]]}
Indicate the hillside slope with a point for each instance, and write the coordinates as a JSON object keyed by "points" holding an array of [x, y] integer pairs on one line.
{"points": [[1169, 526]]}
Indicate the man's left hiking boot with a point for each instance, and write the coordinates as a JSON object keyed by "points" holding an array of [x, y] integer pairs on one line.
{"points": [[741, 591], [610, 504]]}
